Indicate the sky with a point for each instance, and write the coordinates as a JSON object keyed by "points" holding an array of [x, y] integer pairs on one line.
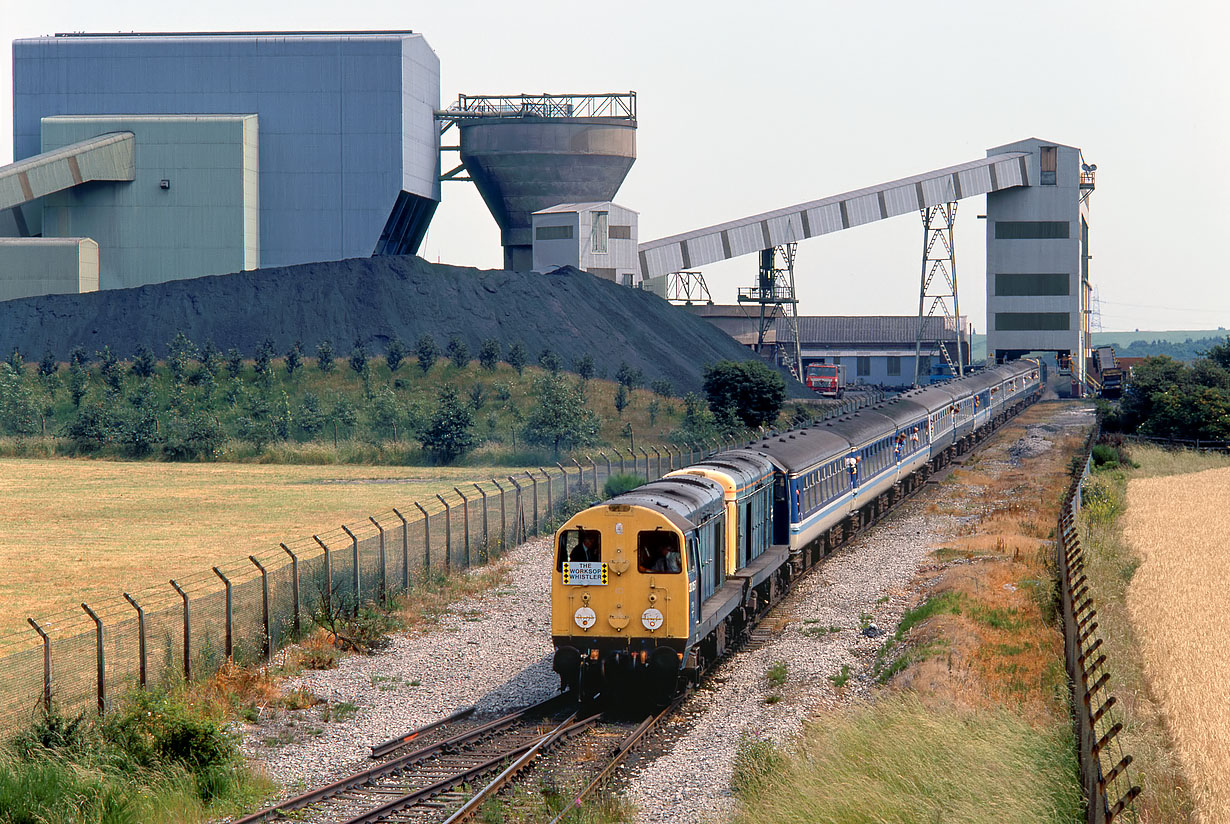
{"points": [[746, 107]]}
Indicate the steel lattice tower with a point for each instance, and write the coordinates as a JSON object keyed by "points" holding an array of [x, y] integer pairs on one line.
{"points": [[939, 256]]}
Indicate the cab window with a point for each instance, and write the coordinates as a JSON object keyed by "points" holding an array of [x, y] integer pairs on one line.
{"points": [[578, 545], [658, 552]]}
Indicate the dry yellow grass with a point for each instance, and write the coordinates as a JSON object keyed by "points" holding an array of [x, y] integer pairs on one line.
{"points": [[1177, 603], [74, 530]]}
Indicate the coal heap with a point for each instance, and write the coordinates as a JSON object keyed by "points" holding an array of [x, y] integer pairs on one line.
{"points": [[374, 300]]}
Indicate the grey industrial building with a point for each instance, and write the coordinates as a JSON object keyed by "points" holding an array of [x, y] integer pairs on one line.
{"points": [[875, 349], [258, 149]]}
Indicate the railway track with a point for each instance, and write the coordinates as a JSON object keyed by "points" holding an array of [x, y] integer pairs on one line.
{"points": [[430, 774]]}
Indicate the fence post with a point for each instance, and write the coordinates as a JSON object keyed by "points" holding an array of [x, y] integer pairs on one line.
{"points": [[354, 544], [485, 556], [448, 535], [229, 643], [550, 503], [384, 564], [328, 575], [658, 457], [187, 632], [503, 517], [608, 464], [405, 551], [580, 476], [520, 508], [46, 664], [140, 638], [294, 584], [267, 646], [646, 454], [465, 522], [534, 481], [426, 539], [102, 667], [594, 467], [618, 452], [564, 472]]}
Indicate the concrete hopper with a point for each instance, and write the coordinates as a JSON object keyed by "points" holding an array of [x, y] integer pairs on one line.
{"points": [[531, 152]]}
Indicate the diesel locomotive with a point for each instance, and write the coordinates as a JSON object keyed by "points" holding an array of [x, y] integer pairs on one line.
{"points": [[651, 587]]}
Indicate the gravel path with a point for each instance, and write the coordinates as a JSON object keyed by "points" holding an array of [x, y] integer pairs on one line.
{"points": [[493, 651]]}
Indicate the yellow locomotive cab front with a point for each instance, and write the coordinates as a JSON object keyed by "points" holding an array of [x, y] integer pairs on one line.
{"points": [[619, 597]]}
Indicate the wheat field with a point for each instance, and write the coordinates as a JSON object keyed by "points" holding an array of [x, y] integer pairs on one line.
{"points": [[1179, 603]]}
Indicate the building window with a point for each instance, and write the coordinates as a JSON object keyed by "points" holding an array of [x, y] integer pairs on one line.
{"points": [[553, 233], [1031, 230], [1032, 321], [1049, 161], [599, 233], [864, 367], [621, 233], [893, 365], [1030, 285]]}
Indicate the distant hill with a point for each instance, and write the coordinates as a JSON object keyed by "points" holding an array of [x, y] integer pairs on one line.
{"points": [[1183, 344], [373, 300]]}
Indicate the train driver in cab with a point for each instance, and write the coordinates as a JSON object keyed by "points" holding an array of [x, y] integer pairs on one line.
{"points": [[586, 549], [660, 553]]}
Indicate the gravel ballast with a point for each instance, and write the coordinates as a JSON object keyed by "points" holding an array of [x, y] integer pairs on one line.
{"points": [[494, 651]]}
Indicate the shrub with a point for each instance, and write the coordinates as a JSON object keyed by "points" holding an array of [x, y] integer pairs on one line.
{"points": [[94, 427], [358, 358], [427, 352], [324, 356], [584, 366], [458, 352], [517, 357], [450, 434], [264, 358], [234, 362], [197, 436], [629, 377], [662, 387], [620, 483], [621, 400], [294, 358], [394, 354], [489, 354], [752, 390]]}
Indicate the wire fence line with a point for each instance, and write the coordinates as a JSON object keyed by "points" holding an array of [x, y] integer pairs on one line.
{"points": [[1109, 789], [1199, 444], [249, 607]]}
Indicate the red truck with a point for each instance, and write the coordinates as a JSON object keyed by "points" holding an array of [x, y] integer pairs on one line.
{"points": [[828, 379]]}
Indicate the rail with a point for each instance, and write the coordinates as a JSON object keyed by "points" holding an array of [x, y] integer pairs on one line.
{"points": [[1108, 786], [620, 105]]}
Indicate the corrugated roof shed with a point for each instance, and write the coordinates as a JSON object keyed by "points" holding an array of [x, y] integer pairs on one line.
{"points": [[815, 330]]}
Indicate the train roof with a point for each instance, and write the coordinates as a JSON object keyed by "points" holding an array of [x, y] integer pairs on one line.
{"points": [[931, 397], [863, 427], [685, 500], [901, 410], [800, 449], [744, 465]]}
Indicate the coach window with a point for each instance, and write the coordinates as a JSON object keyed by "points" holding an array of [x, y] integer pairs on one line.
{"points": [[578, 545]]}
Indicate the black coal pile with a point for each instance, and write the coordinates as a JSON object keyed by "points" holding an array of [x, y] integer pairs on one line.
{"points": [[373, 300]]}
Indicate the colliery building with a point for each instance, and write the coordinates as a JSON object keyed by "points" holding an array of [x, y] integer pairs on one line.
{"points": [[876, 349]]}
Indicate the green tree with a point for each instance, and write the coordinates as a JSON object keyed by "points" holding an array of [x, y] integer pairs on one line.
{"points": [[358, 358], [17, 361], [48, 365], [19, 413], [550, 361], [109, 368], [344, 416], [654, 409], [458, 352], [621, 399], [234, 362], [517, 357], [427, 352], [78, 382], [698, 423], [384, 416], [663, 388], [394, 354], [264, 360], [478, 396], [324, 356], [559, 417], [180, 352], [629, 377], [489, 354], [143, 363], [211, 358], [752, 390], [197, 436], [584, 366], [450, 434], [94, 426], [294, 358], [79, 356], [311, 417]]}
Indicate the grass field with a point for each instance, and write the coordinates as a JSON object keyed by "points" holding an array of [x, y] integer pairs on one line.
{"points": [[1178, 525], [74, 530]]}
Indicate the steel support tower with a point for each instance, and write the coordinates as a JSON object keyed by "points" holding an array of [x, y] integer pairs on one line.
{"points": [[773, 292], [939, 256], [688, 288]]}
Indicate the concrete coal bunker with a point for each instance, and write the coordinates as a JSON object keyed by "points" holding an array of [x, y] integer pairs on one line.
{"points": [[379, 298]]}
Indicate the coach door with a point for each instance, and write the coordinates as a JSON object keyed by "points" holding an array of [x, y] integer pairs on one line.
{"points": [[694, 578]]}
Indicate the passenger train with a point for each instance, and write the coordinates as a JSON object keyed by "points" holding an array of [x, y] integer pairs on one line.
{"points": [[652, 586]]}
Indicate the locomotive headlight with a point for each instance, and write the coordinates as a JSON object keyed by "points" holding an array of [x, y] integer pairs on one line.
{"points": [[651, 619], [585, 617]]}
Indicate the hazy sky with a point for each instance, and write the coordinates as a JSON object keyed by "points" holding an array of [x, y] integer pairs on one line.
{"points": [[746, 107]]}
